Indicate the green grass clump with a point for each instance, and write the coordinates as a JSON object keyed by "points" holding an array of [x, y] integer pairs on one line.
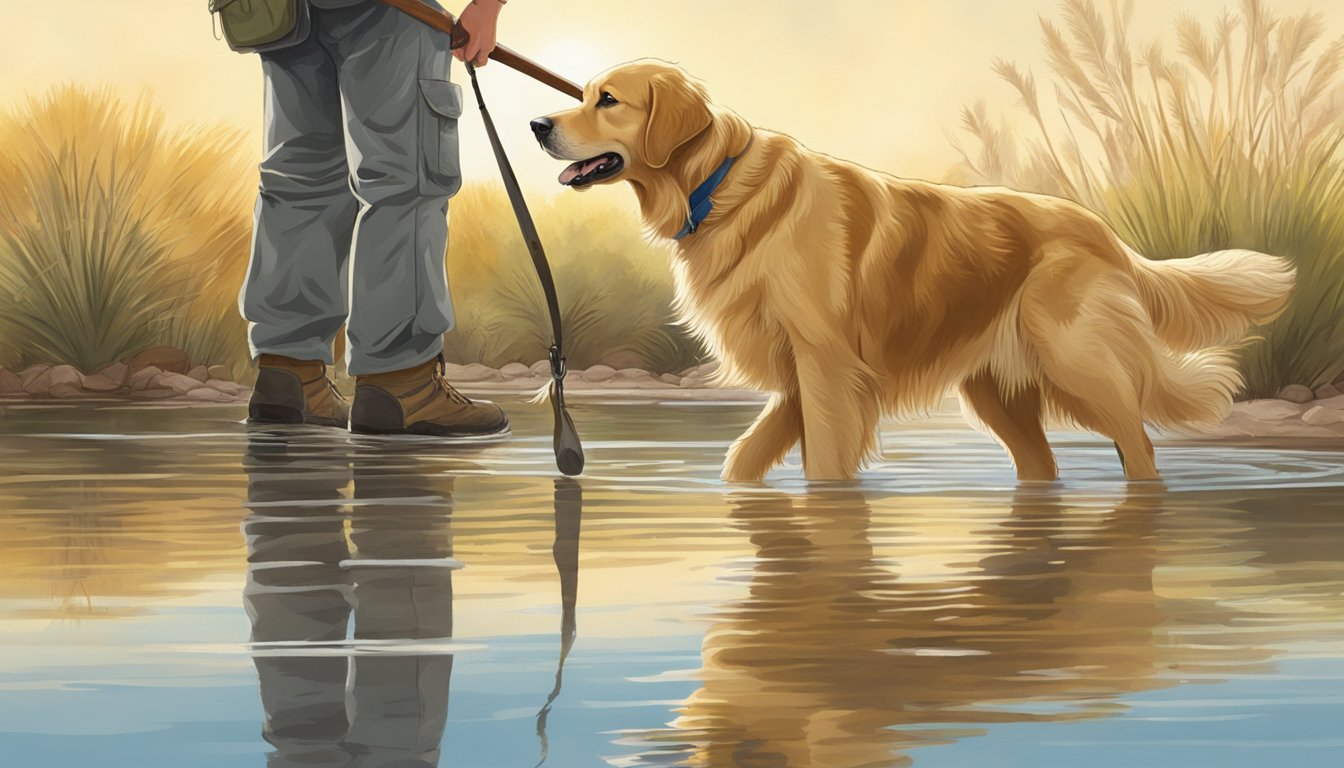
{"points": [[1233, 143], [117, 233], [615, 287]]}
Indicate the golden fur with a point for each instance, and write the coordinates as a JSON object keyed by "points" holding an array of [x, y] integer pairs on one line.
{"points": [[851, 294]]}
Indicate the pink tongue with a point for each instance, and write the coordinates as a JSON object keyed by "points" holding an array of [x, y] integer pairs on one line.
{"points": [[579, 169]]}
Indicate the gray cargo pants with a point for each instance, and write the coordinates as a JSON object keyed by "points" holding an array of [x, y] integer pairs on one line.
{"points": [[361, 156]]}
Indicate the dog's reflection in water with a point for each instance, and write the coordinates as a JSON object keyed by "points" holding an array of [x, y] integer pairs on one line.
{"points": [[351, 626], [844, 654]]}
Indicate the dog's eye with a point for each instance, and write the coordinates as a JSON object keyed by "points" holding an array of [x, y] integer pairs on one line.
{"points": [[607, 100]]}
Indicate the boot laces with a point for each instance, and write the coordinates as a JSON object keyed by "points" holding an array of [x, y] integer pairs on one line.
{"points": [[440, 376]]}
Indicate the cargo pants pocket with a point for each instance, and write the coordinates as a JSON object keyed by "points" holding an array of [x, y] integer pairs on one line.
{"points": [[440, 162]]}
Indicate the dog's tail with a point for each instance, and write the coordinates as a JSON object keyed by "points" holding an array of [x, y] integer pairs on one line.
{"points": [[1209, 300], [1192, 390]]}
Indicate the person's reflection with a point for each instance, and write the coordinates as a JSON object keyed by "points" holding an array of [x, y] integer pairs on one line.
{"points": [[381, 699], [385, 702], [838, 658]]}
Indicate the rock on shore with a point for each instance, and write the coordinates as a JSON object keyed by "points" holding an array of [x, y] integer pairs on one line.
{"points": [[604, 377], [156, 373], [1284, 418], [1298, 412]]}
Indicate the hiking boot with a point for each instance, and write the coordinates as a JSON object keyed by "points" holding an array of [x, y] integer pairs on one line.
{"points": [[420, 401], [290, 391]]}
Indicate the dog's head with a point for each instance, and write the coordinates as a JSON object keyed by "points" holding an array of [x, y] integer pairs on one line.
{"points": [[633, 120]]}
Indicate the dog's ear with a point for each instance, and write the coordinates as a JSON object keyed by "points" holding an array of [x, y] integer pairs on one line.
{"points": [[678, 112]]}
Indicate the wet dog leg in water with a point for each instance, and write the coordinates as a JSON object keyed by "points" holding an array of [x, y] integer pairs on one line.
{"points": [[774, 432]]}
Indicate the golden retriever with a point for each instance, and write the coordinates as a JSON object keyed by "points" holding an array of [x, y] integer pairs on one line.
{"points": [[851, 294]]}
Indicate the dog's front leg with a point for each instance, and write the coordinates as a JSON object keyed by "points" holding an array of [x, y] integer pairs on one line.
{"points": [[762, 446], [840, 410]]}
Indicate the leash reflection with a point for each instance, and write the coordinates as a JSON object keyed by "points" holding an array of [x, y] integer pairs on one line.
{"points": [[350, 595]]}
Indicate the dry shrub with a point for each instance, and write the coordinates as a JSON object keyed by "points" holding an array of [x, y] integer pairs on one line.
{"points": [[1233, 142]]}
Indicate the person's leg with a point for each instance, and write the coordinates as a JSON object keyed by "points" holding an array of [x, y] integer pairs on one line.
{"points": [[294, 297], [402, 568], [401, 124]]}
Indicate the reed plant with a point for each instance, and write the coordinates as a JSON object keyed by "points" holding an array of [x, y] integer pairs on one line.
{"points": [[117, 232], [614, 286], [1233, 141]]}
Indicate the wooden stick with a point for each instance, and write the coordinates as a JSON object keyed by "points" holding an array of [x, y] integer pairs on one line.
{"points": [[444, 22]]}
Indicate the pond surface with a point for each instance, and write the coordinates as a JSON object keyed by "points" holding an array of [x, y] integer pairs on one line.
{"points": [[180, 591]]}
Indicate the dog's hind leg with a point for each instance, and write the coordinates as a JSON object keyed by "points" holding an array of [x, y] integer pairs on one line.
{"points": [[1016, 420], [1099, 354], [764, 444], [1124, 428]]}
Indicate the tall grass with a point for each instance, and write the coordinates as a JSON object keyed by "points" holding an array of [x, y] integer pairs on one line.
{"points": [[116, 233], [1233, 142], [614, 286]]}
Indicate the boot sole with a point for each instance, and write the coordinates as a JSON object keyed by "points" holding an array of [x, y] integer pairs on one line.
{"points": [[423, 429], [259, 413]]}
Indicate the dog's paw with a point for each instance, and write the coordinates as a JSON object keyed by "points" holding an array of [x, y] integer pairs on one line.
{"points": [[733, 473]]}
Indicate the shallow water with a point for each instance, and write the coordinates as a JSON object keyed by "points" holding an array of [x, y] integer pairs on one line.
{"points": [[180, 591]]}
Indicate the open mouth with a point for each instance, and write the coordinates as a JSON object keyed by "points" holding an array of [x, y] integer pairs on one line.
{"points": [[585, 172]]}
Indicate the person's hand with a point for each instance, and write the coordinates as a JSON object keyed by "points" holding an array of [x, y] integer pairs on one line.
{"points": [[481, 20]]}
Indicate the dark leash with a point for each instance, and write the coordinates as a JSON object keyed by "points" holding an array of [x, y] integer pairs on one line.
{"points": [[568, 449]]}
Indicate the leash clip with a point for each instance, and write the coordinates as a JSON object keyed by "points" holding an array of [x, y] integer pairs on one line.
{"points": [[558, 367]]}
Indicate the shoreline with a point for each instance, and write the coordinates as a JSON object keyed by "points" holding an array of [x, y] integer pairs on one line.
{"points": [[141, 381]]}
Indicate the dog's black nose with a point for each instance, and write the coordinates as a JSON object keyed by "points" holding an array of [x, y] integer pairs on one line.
{"points": [[542, 127]]}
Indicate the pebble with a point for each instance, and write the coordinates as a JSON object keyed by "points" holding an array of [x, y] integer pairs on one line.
{"points": [[1271, 410], [598, 374], [10, 382], [65, 391], [142, 378], [27, 375], [1296, 393], [97, 382], [633, 375], [231, 388], [164, 358], [115, 372], [1321, 416], [471, 373], [177, 382], [209, 395]]}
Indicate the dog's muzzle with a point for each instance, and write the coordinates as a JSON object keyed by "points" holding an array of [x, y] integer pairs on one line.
{"points": [[541, 128]]}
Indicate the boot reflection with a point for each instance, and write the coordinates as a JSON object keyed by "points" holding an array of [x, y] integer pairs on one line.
{"points": [[381, 699]]}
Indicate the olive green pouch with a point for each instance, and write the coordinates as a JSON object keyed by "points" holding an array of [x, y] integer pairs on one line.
{"points": [[258, 26]]}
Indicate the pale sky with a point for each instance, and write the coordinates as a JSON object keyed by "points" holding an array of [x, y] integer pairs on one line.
{"points": [[879, 82]]}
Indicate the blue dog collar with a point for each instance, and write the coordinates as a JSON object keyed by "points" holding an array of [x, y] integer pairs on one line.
{"points": [[701, 203]]}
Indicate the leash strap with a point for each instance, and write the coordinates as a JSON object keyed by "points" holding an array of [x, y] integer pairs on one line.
{"points": [[568, 450]]}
